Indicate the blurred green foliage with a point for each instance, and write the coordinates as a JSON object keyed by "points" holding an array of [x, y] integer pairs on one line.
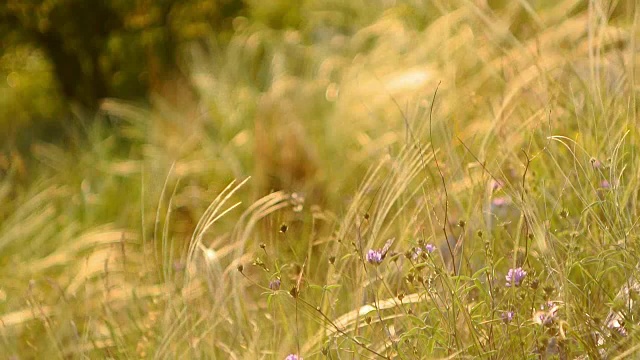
{"points": [[57, 53], [28, 89]]}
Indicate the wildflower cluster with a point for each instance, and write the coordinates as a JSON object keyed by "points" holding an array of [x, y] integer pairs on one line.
{"points": [[374, 256], [428, 249], [547, 314], [274, 284], [507, 316], [515, 277]]}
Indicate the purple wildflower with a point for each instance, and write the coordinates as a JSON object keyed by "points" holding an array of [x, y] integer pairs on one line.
{"points": [[374, 256], [417, 251], [515, 276], [497, 184], [501, 201], [596, 163], [605, 184], [507, 316], [547, 305], [430, 248], [274, 284], [545, 317], [293, 357]]}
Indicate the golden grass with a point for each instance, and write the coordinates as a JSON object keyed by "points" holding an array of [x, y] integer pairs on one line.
{"points": [[112, 253]]}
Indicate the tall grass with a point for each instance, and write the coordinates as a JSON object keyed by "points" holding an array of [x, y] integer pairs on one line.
{"points": [[241, 229]]}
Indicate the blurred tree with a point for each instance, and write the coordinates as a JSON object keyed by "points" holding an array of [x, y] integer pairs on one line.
{"points": [[114, 48], [73, 35]]}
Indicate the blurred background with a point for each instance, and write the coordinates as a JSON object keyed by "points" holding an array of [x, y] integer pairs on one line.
{"points": [[69, 55], [250, 73], [223, 89]]}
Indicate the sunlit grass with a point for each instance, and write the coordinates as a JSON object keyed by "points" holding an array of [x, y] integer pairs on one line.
{"points": [[160, 237]]}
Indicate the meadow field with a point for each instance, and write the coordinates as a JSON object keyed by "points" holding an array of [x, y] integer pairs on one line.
{"points": [[380, 180]]}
